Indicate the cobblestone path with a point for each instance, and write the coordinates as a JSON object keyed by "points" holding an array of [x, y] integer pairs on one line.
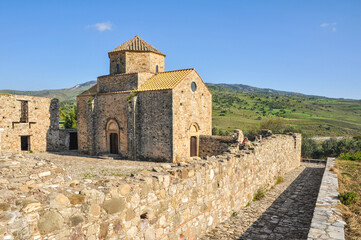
{"points": [[285, 213]]}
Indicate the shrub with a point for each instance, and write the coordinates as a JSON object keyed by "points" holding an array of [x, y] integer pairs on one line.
{"points": [[215, 131], [310, 148], [348, 198], [350, 156], [276, 125]]}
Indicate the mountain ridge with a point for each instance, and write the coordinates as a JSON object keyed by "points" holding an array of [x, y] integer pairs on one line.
{"points": [[65, 94]]}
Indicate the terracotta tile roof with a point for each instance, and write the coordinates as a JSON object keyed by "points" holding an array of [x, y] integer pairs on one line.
{"points": [[136, 44], [161, 81], [165, 80]]}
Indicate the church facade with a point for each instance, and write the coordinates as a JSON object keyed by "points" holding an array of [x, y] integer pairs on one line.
{"points": [[142, 112]]}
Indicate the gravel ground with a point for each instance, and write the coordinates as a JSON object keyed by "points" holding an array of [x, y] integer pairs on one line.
{"points": [[84, 166]]}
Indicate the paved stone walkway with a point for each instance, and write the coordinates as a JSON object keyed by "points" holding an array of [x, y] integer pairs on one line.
{"points": [[285, 213]]}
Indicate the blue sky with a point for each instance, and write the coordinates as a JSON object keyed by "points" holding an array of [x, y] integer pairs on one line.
{"points": [[309, 46]]}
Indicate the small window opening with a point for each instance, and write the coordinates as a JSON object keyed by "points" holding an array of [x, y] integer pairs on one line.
{"points": [[193, 86], [24, 114], [117, 68], [156, 68], [25, 143]]}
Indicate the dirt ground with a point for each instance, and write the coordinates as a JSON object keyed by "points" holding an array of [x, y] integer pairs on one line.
{"points": [[85, 166]]}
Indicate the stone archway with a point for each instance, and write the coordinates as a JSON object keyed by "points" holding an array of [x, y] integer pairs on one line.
{"points": [[194, 140], [113, 142]]}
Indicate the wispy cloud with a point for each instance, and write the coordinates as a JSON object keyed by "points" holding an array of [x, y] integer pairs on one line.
{"points": [[331, 26], [101, 27], [324, 25]]}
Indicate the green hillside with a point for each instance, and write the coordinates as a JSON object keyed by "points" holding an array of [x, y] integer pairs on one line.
{"points": [[66, 94], [312, 115], [237, 106]]}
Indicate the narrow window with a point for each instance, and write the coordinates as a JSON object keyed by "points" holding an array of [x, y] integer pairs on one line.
{"points": [[156, 68], [25, 143], [117, 68], [24, 111]]}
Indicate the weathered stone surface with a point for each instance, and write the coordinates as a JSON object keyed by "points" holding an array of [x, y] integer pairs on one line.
{"points": [[162, 205], [49, 222], [41, 123], [75, 220], [30, 206], [114, 205]]}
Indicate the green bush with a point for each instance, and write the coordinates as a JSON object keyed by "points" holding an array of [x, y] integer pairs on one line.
{"points": [[350, 156], [276, 125], [348, 198]]}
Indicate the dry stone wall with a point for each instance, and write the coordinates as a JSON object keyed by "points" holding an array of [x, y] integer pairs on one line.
{"points": [[214, 145], [175, 201]]}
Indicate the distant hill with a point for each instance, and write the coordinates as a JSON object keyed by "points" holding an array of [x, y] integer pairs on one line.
{"points": [[65, 94], [237, 106], [250, 89]]}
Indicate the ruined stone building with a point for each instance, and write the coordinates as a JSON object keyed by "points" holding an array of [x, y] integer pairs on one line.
{"points": [[28, 123], [141, 111]]}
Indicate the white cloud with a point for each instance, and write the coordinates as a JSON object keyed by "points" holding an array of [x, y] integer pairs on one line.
{"points": [[101, 27], [331, 26]]}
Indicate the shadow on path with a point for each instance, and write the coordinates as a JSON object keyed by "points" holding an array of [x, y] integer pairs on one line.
{"points": [[290, 215]]}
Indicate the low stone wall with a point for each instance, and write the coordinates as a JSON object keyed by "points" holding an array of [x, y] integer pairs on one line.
{"points": [[214, 145], [327, 222], [176, 201]]}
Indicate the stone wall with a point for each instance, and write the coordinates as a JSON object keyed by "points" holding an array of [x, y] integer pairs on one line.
{"points": [[153, 125], [42, 124], [214, 145], [122, 82], [174, 201], [64, 138], [327, 221], [190, 108]]}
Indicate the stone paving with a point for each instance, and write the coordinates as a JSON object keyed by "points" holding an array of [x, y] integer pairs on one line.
{"points": [[285, 213]]}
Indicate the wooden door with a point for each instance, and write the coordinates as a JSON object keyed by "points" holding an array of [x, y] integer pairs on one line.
{"points": [[193, 146], [114, 143]]}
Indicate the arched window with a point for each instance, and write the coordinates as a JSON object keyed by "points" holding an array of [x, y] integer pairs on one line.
{"points": [[156, 68]]}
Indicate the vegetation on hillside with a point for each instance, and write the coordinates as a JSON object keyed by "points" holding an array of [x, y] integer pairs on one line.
{"points": [[313, 116], [349, 175]]}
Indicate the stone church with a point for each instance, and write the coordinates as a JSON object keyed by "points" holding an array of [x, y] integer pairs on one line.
{"points": [[140, 111]]}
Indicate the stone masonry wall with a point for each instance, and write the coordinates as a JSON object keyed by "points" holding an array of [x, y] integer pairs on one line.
{"points": [[190, 108], [42, 125], [153, 125], [214, 145], [176, 201]]}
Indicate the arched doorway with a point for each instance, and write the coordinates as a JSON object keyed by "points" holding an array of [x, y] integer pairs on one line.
{"points": [[113, 137], [194, 140]]}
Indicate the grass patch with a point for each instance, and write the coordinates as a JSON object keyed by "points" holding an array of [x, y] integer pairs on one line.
{"points": [[261, 193], [349, 175], [279, 180]]}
